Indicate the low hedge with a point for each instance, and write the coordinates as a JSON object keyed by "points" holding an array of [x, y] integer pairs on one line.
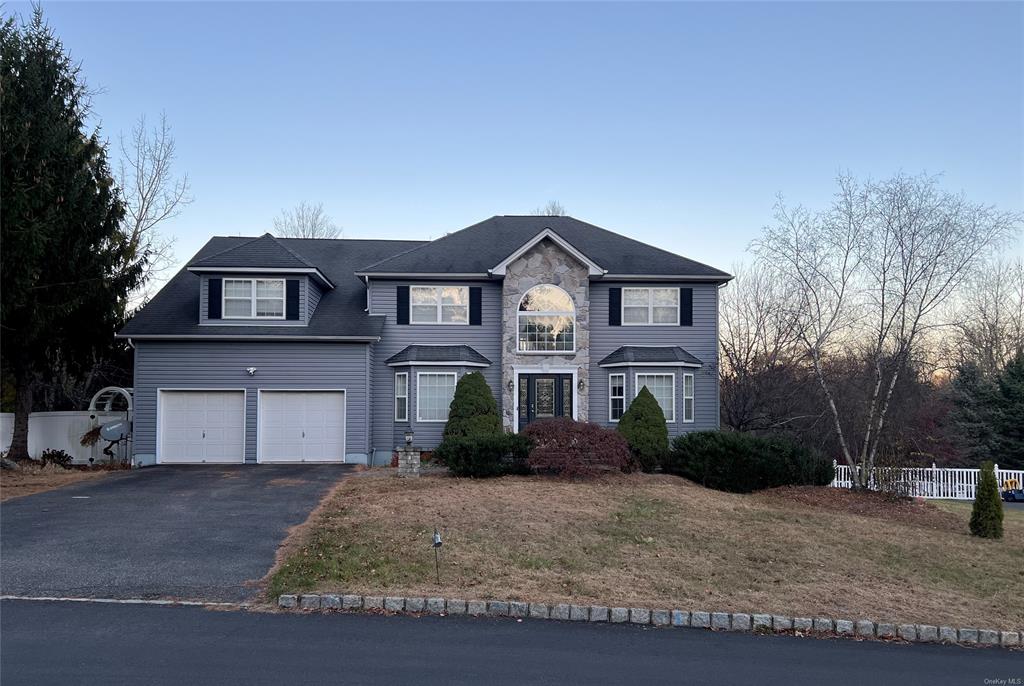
{"points": [[485, 455], [741, 463], [576, 449]]}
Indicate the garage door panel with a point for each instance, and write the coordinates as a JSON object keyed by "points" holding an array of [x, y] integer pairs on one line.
{"points": [[302, 426], [202, 426]]}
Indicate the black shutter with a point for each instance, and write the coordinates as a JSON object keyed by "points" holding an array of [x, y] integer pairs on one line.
{"points": [[614, 307], [291, 300], [686, 307], [213, 298], [403, 304], [475, 314]]}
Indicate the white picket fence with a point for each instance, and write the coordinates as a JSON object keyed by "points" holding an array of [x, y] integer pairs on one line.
{"points": [[60, 431], [951, 483]]}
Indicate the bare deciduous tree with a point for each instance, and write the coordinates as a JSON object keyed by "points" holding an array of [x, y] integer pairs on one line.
{"points": [[552, 209], [152, 194], [869, 275], [306, 220], [762, 387], [987, 318]]}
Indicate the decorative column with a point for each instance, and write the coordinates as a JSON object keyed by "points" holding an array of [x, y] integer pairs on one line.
{"points": [[408, 461]]}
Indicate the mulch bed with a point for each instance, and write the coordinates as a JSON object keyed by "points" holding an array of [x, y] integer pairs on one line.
{"points": [[913, 511]]}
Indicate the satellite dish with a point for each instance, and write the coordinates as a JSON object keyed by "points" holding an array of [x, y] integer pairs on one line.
{"points": [[115, 431]]}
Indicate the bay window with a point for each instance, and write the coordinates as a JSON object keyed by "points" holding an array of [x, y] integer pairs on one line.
{"points": [[663, 388]]}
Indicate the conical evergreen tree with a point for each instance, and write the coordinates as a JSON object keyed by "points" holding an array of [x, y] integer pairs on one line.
{"points": [[473, 410], [987, 513], [644, 428]]}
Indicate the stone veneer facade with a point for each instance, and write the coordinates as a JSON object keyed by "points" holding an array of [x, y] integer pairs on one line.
{"points": [[544, 263]]}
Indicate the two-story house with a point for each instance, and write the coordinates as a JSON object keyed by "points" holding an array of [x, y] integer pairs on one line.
{"points": [[288, 350]]}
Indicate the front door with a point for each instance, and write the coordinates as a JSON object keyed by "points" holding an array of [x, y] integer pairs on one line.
{"points": [[542, 396]]}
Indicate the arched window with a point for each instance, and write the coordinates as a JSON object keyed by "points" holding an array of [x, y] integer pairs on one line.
{"points": [[547, 320]]}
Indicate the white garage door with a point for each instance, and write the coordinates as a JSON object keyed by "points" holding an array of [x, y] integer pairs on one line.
{"points": [[302, 426], [201, 426]]}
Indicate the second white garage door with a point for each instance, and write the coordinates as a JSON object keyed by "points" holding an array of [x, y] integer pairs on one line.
{"points": [[302, 426]]}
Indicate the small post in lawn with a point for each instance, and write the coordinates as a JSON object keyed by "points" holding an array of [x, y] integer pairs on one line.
{"points": [[437, 562]]}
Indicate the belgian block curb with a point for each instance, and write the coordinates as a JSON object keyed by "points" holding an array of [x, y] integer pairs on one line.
{"points": [[657, 617]]}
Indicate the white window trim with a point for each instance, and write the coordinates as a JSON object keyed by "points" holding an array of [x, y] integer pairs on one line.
{"points": [[437, 305], [420, 375], [520, 314], [650, 306], [252, 299], [611, 397], [637, 387], [693, 393], [402, 397]]}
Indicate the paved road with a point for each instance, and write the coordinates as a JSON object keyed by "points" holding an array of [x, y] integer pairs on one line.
{"points": [[187, 532], [91, 643]]}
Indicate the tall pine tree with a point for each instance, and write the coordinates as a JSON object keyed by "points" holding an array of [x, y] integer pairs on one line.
{"points": [[1009, 417], [973, 416], [65, 269]]}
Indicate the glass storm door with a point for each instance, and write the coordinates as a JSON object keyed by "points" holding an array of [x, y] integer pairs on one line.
{"points": [[542, 396]]}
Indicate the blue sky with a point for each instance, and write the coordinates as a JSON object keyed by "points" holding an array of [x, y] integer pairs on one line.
{"points": [[674, 123]]}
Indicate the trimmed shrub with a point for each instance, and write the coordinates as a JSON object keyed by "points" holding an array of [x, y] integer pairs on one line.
{"points": [[57, 457], [741, 463], [473, 410], [485, 455], [576, 449], [987, 513], [644, 428]]}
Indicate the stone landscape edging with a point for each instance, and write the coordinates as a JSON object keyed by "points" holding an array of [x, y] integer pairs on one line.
{"points": [[699, 619]]}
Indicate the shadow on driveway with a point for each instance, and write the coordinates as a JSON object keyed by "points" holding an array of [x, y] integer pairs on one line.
{"points": [[196, 533]]}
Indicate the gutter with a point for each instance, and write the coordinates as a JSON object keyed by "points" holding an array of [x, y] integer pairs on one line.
{"points": [[216, 337]]}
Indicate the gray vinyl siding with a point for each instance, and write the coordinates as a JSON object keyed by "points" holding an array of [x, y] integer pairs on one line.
{"points": [[701, 340], [312, 300], [486, 339], [304, 298], [213, 364]]}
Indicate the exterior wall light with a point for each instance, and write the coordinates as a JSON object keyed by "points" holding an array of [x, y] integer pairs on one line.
{"points": [[251, 371], [408, 438]]}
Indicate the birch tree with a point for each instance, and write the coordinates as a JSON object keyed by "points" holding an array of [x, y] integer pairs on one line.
{"points": [[870, 273]]}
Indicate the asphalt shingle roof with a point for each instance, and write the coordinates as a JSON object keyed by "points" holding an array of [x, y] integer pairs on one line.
{"points": [[265, 251], [670, 354], [438, 353], [174, 310], [478, 248]]}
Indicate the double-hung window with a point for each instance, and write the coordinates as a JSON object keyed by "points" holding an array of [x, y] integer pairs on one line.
{"points": [[616, 396], [650, 306], [434, 393], [439, 304], [253, 299], [663, 388], [402, 396], [687, 397]]}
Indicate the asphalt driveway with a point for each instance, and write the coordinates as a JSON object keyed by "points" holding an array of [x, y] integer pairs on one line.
{"points": [[195, 533]]}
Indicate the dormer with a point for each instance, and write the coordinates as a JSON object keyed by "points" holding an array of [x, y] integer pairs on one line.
{"points": [[259, 282]]}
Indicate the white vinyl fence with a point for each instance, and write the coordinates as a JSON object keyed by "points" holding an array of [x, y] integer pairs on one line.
{"points": [[951, 483], [60, 431]]}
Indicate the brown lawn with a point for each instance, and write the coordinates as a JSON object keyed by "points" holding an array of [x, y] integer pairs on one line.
{"points": [[657, 540], [31, 479]]}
